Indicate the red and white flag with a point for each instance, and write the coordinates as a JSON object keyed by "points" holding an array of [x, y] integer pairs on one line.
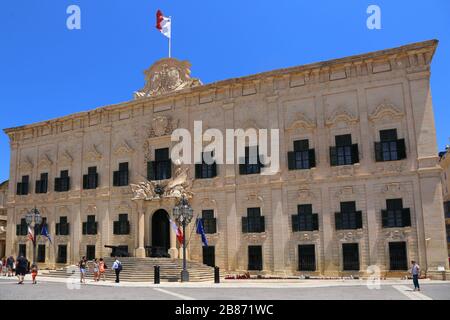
{"points": [[163, 24], [30, 234], [177, 231]]}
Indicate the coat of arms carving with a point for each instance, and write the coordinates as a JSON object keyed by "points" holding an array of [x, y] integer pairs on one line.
{"points": [[167, 75]]}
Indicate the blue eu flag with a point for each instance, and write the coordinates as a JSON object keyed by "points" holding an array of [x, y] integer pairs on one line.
{"points": [[201, 231]]}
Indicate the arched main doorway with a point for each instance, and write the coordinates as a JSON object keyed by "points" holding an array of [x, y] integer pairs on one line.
{"points": [[160, 233]]}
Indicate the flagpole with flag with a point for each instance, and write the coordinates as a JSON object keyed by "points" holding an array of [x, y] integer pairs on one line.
{"points": [[164, 25]]}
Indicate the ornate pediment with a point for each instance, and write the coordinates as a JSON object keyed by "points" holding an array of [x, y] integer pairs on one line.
{"points": [[385, 110], [393, 189], [167, 75], [44, 162], [254, 196], [93, 154], [345, 192], [25, 165], [301, 121], [65, 158], [162, 126], [91, 209], [341, 114], [305, 194], [123, 149]]}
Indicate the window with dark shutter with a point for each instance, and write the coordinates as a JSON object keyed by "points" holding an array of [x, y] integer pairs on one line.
{"points": [[42, 184], [305, 219], [344, 153], [41, 253], [22, 228], [62, 227], [255, 259], [306, 257], [252, 163], [348, 218], [204, 170], [254, 222], [161, 167], [209, 257], [62, 254], [302, 157], [23, 186], [390, 148], [122, 226], [120, 178], [90, 181], [209, 222], [397, 256], [350, 255], [90, 226], [395, 216], [62, 184]]}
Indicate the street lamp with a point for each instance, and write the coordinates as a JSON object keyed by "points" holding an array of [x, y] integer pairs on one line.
{"points": [[183, 213], [34, 219]]}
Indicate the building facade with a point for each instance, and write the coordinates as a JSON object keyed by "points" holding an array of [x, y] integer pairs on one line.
{"points": [[445, 164], [3, 217], [359, 182]]}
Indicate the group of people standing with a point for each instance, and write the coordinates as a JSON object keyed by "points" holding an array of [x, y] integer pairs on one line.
{"points": [[18, 267], [98, 268]]}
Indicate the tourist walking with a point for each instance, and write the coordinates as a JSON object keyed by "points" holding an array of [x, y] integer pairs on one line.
{"points": [[4, 267], [82, 265], [96, 270], [117, 267], [21, 268], [102, 269], [34, 272], [10, 266], [415, 271]]}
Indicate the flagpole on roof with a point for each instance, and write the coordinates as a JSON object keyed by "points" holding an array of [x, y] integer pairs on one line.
{"points": [[170, 38]]}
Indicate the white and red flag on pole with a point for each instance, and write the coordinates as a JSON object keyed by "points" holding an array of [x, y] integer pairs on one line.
{"points": [[30, 234], [163, 24], [177, 231]]}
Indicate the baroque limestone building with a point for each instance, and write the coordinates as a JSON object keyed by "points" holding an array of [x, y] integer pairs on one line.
{"points": [[3, 217], [359, 180], [445, 164]]}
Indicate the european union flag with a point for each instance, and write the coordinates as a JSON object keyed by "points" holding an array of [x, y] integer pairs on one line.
{"points": [[201, 231], [44, 232]]}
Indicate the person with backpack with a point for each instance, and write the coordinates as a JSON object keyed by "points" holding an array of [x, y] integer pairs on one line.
{"points": [[117, 267]]}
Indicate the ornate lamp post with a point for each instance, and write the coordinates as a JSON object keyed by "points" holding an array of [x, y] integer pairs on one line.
{"points": [[183, 213], [33, 219]]}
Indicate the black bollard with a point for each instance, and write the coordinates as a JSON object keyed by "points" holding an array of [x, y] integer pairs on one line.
{"points": [[216, 275], [157, 275]]}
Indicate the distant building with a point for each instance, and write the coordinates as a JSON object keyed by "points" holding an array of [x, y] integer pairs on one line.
{"points": [[358, 185], [3, 217], [445, 164]]}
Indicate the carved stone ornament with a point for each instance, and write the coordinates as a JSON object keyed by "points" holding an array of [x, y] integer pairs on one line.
{"points": [[162, 126], [65, 159], [396, 235], [93, 154], [341, 114], [344, 192], [123, 149], [167, 75], [305, 194], [255, 238], [385, 110], [350, 235], [177, 187], [301, 121], [44, 162], [25, 165]]}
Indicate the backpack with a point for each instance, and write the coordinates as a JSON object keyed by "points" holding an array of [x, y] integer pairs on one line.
{"points": [[119, 266]]}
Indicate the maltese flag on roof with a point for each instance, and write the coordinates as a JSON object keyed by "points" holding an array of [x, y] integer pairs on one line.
{"points": [[163, 24]]}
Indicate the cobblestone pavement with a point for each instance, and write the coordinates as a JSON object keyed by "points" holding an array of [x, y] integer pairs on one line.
{"points": [[60, 289]]}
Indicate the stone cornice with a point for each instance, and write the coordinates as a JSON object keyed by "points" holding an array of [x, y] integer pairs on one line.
{"points": [[418, 55]]}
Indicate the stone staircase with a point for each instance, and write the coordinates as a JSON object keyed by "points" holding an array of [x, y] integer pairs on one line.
{"points": [[142, 270]]}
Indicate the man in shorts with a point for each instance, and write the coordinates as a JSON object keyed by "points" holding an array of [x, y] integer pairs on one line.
{"points": [[82, 265], [21, 268]]}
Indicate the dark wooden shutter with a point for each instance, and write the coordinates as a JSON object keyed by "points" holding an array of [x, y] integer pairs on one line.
{"points": [[384, 218], [355, 153], [312, 158], [401, 149], [244, 225], [242, 166], [295, 223], [315, 221], [406, 217], [338, 220], [198, 170], [262, 224], [151, 170], [96, 181], [116, 227], [291, 160], [85, 182], [57, 184], [17, 229], [57, 229], [116, 178], [378, 152], [333, 156], [214, 170], [84, 228], [358, 218]]}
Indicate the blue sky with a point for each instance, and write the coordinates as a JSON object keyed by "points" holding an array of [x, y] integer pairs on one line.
{"points": [[47, 71]]}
